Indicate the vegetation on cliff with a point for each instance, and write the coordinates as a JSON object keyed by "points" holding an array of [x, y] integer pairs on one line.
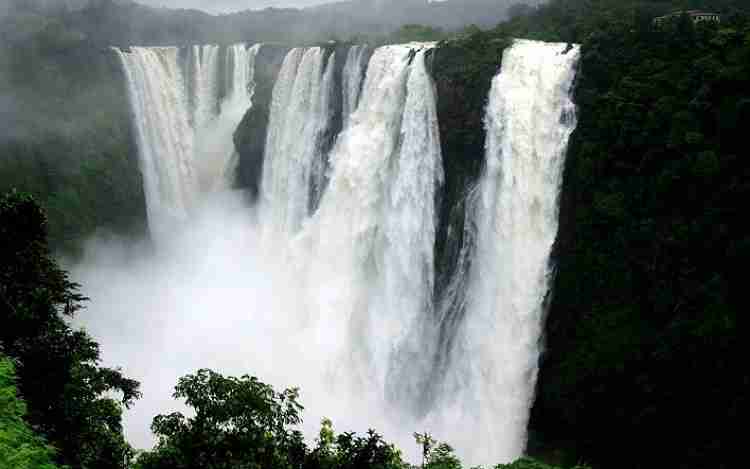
{"points": [[642, 328], [20, 447], [67, 393], [65, 134], [643, 325]]}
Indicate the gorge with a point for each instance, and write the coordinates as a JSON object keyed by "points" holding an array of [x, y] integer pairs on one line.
{"points": [[329, 274], [504, 245]]}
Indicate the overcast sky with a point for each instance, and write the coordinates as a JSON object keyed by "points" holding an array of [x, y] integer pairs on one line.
{"points": [[226, 6]]}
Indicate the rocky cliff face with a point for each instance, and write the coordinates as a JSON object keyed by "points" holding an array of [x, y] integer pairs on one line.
{"points": [[250, 136], [463, 70], [67, 138]]}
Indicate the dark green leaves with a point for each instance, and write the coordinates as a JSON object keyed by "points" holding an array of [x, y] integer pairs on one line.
{"points": [[58, 371]]}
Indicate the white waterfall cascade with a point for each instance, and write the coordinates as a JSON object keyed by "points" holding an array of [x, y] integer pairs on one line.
{"points": [[184, 133], [163, 131], [352, 76], [202, 73], [293, 161], [368, 266], [215, 153], [330, 286], [529, 119]]}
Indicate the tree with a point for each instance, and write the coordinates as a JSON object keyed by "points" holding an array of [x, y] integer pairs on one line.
{"points": [[244, 423], [417, 32], [442, 457], [426, 441], [59, 375], [350, 451], [238, 423], [528, 463], [20, 448]]}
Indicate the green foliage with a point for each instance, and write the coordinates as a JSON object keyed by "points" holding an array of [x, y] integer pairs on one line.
{"points": [[20, 448], [576, 20], [416, 33], [442, 457], [436, 455], [643, 323], [244, 423], [83, 187], [350, 451], [238, 423], [58, 373], [528, 463], [463, 69], [66, 134]]}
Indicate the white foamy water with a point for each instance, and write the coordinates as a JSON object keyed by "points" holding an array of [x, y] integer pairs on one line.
{"points": [[183, 130], [352, 76], [529, 118], [299, 116], [328, 282]]}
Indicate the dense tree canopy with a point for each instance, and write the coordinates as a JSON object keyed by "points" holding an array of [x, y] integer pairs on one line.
{"points": [[238, 423], [20, 447], [244, 423], [58, 372], [642, 327], [644, 324]]}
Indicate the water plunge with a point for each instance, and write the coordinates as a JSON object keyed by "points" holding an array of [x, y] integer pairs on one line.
{"points": [[327, 283], [514, 213], [184, 130]]}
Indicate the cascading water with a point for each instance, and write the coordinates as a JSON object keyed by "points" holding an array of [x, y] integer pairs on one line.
{"points": [[336, 288], [529, 119], [183, 130], [163, 130], [215, 153], [404, 309], [293, 166], [203, 83], [370, 275], [354, 72]]}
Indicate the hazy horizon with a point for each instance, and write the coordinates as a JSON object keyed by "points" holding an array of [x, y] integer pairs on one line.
{"points": [[231, 6]]}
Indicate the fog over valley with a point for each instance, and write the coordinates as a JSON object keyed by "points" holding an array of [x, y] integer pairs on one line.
{"points": [[230, 6]]}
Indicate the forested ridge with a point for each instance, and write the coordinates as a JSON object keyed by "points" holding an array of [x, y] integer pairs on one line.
{"points": [[642, 366], [643, 346]]}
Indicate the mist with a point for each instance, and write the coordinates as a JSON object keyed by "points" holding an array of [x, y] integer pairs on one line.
{"points": [[229, 285], [210, 296], [230, 6]]}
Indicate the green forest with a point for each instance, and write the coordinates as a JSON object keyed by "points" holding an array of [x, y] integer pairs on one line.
{"points": [[642, 364]]}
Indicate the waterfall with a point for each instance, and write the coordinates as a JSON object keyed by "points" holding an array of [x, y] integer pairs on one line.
{"points": [[300, 112], [370, 243], [529, 118], [203, 75], [183, 129], [336, 274], [164, 134], [215, 152], [353, 74], [407, 241]]}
